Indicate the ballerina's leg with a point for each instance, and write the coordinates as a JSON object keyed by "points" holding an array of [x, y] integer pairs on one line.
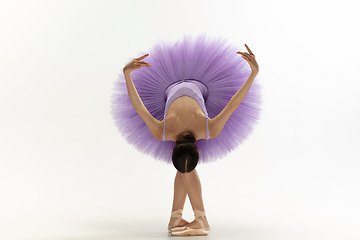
{"points": [[193, 189], [179, 198]]}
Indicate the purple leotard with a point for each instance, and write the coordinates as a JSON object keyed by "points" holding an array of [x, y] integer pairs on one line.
{"points": [[191, 88]]}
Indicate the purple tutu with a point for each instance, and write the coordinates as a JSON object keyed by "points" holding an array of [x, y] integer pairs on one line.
{"points": [[213, 62]]}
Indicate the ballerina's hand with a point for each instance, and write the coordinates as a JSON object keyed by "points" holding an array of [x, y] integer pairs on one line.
{"points": [[250, 58], [136, 63]]}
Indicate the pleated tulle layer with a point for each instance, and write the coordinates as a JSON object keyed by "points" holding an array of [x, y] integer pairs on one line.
{"points": [[215, 63]]}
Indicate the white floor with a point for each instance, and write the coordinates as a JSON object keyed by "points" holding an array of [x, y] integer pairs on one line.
{"points": [[154, 227]]}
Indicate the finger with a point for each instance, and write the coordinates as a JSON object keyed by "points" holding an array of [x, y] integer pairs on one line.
{"points": [[242, 53], [143, 64], [142, 57], [249, 50], [246, 54]]}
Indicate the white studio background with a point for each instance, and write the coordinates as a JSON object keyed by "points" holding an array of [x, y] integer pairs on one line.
{"points": [[66, 173]]}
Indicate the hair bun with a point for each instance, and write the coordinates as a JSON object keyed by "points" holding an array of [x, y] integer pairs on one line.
{"points": [[187, 138]]}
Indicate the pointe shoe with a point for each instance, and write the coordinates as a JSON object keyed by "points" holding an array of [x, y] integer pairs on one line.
{"points": [[187, 231], [178, 214]]}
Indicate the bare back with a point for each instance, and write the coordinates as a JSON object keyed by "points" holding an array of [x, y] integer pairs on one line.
{"points": [[185, 115]]}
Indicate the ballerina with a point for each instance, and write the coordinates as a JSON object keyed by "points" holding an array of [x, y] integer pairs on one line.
{"points": [[187, 121]]}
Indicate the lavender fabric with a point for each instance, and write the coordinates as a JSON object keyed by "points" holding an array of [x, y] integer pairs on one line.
{"points": [[213, 62]]}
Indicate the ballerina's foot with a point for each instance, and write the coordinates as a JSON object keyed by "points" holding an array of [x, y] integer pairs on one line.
{"points": [[183, 222], [192, 229], [196, 225]]}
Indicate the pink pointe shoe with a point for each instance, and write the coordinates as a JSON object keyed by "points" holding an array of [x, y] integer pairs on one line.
{"points": [[178, 214], [186, 231]]}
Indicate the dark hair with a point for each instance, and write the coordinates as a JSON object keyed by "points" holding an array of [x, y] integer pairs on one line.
{"points": [[185, 155]]}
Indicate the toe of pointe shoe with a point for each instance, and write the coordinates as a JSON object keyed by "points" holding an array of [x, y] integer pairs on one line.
{"points": [[170, 228], [177, 229], [186, 231]]}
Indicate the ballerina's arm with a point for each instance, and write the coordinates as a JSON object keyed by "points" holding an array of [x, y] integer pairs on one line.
{"points": [[155, 126], [217, 123]]}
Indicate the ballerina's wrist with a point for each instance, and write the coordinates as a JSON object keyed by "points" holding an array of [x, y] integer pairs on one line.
{"points": [[254, 71], [126, 71]]}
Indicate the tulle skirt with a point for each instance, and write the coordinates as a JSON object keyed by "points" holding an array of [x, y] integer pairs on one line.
{"points": [[211, 61]]}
